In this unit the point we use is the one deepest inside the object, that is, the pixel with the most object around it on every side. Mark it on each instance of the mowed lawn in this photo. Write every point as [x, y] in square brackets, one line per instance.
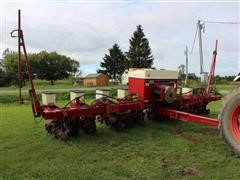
[158, 150]
[60, 84]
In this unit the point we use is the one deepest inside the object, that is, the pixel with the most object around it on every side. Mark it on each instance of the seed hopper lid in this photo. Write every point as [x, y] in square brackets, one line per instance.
[103, 89]
[77, 91]
[48, 92]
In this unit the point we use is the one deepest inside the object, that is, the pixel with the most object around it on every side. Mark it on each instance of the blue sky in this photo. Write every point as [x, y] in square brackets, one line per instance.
[85, 31]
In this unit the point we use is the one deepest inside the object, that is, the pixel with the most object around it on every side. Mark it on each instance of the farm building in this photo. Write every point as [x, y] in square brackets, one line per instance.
[96, 80]
[124, 77]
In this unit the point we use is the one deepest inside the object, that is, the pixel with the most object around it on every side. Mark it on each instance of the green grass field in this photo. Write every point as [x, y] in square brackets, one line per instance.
[42, 84]
[60, 84]
[158, 150]
[225, 87]
[67, 84]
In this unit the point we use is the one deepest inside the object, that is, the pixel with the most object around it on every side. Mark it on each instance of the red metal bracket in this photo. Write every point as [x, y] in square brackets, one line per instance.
[183, 116]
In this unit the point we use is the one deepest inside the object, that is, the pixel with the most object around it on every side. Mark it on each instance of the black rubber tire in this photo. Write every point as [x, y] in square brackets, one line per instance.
[229, 103]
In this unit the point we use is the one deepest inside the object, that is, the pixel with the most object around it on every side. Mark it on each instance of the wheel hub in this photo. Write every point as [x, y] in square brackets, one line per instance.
[235, 123]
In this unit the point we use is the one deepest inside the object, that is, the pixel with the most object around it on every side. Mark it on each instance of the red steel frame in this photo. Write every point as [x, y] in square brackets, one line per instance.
[200, 99]
[183, 116]
[36, 107]
[78, 109]
[75, 109]
[212, 70]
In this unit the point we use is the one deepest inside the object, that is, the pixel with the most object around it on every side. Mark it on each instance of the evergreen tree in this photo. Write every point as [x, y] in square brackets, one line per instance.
[139, 54]
[113, 63]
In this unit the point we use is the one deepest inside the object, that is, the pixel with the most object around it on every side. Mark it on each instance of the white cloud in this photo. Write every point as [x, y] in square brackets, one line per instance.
[85, 31]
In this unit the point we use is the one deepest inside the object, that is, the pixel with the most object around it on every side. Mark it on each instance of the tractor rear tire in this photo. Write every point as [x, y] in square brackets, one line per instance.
[230, 121]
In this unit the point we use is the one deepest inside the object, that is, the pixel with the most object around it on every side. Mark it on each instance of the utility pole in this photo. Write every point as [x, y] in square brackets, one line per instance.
[186, 54]
[19, 58]
[204, 75]
[200, 27]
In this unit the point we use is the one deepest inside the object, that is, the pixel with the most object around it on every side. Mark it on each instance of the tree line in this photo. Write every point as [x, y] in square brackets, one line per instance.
[192, 76]
[52, 66]
[49, 66]
[139, 55]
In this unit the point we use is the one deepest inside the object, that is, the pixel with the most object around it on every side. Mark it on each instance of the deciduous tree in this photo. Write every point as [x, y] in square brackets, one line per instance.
[53, 66]
[47, 66]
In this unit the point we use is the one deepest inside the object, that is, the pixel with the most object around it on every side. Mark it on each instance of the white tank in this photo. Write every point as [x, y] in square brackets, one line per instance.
[48, 98]
[153, 74]
[76, 93]
[101, 92]
[121, 93]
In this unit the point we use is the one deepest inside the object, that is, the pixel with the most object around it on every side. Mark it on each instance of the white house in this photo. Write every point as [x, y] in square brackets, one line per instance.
[124, 77]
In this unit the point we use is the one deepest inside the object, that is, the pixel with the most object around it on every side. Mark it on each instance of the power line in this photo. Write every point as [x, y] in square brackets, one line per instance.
[210, 22]
[221, 22]
[194, 41]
